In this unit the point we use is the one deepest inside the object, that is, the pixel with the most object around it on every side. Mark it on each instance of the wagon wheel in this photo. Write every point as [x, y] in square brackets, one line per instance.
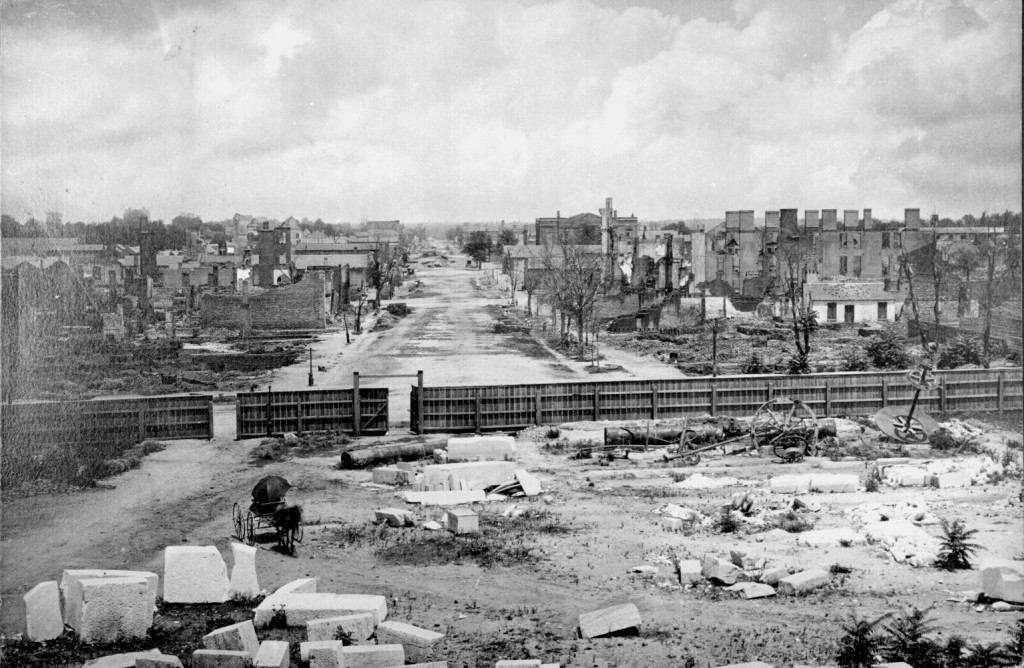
[236, 521]
[783, 418]
[790, 448]
[691, 459]
[250, 529]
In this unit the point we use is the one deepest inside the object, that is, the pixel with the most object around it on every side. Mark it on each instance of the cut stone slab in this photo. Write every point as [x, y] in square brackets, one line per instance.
[243, 582]
[114, 609]
[300, 586]
[220, 658]
[529, 482]
[239, 637]
[831, 537]
[300, 608]
[893, 664]
[194, 574]
[773, 575]
[720, 571]
[758, 590]
[392, 475]
[427, 664]
[468, 448]
[790, 484]
[690, 571]
[835, 483]
[43, 620]
[372, 656]
[1003, 579]
[609, 620]
[395, 517]
[305, 648]
[71, 589]
[158, 661]
[951, 480]
[905, 476]
[482, 473]
[749, 664]
[358, 627]
[326, 655]
[803, 582]
[272, 654]
[671, 524]
[125, 660]
[462, 521]
[443, 498]
[518, 663]
[433, 526]
[420, 644]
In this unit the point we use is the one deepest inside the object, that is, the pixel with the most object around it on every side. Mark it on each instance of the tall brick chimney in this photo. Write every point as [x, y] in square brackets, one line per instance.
[912, 219]
[606, 222]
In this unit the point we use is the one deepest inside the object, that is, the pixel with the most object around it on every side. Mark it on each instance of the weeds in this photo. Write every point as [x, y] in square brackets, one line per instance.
[956, 548]
[906, 640]
[873, 481]
[276, 449]
[278, 618]
[552, 433]
[860, 643]
[726, 522]
[791, 522]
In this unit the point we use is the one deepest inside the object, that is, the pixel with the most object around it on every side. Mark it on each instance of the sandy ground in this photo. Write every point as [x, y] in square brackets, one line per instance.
[183, 495]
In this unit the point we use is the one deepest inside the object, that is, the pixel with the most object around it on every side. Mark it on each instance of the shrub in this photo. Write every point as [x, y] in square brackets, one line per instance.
[905, 640]
[854, 359]
[754, 364]
[726, 522]
[956, 548]
[988, 656]
[873, 481]
[859, 644]
[798, 365]
[793, 523]
[964, 350]
[888, 350]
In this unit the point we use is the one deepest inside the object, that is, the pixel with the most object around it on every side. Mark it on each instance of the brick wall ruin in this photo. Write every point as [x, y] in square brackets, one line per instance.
[298, 306]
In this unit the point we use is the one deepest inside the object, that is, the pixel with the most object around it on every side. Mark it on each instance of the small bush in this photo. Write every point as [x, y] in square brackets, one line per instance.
[798, 365]
[854, 359]
[150, 446]
[888, 350]
[793, 523]
[754, 364]
[726, 522]
[964, 350]
[873, 481]
[860, 643]
[906, 640]
[956, 547]
[988, 656]
[552, 432]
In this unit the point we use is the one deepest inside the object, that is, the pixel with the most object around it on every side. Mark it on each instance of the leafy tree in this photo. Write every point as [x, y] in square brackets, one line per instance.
[478, 247]
[956, 547]
[381, 269]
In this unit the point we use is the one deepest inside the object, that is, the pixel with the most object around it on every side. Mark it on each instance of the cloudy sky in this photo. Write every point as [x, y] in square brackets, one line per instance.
[439, 110]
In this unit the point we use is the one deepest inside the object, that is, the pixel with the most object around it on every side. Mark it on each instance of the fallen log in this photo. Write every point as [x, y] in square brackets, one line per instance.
[379, 454]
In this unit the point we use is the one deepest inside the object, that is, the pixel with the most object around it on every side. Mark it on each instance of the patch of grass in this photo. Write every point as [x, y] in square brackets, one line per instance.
[276, 449]
[792, 522]
[642, 492]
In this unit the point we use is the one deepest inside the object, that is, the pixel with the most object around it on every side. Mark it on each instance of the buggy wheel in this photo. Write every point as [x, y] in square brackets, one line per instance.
[236, 521]
[298, 533]
[250, 529]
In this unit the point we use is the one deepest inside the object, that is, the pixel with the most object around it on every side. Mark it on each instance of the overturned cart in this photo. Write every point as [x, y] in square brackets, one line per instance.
[789, 427]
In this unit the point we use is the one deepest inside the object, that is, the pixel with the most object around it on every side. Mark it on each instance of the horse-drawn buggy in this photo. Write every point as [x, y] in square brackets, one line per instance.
[269, 512]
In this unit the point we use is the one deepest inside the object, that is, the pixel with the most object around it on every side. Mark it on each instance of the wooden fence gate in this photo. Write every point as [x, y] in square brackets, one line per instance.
[357, 411]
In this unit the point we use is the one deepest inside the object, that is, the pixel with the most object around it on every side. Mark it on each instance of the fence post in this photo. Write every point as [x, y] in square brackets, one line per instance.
[654, 403]
[298, 415]
[357, 417]
[942, 395]
[828, 398]
[268, 417]
[714, 398]
[476, 409]
[142, 421]
[885, 393]
[419, 402]
[999, 392]
[238, 418]
[536, 407]
[770, 392]
[209, 418]
[597, 405]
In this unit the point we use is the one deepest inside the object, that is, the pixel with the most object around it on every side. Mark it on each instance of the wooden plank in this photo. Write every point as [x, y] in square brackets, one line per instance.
[597, 405]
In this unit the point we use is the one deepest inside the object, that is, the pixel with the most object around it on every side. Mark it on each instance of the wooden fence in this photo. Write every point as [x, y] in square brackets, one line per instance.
[271, 413]
[38, 432]
[509, 407]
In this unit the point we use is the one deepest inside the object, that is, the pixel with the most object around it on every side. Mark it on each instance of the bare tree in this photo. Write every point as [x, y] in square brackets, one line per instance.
[795, 258]
[381, 268]
[1001, 264]
[572, 278]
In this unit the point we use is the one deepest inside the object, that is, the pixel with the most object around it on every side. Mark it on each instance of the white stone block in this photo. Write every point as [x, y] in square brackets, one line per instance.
[124, 660]
[420, 644]
[358, 627]
[529, 482]
[671, 524]
[772, 575]
[327, 655]
[518, 663]
[749, 664]
[372, 656]
[758, 590]
[475, 473]
[300, 608]
[43, 619]
[804, 581]
[720, 571]
[220, 658]
[273, 654]
[395, 517]
[469, 448]
[114, 609]
[442, 498]
[194, 574]
[835, 483]
[243, 582]
[462, 521]
[905, 476]
[953, 479]
[1003, 579]
[843, 536]
[71, 589]
[300, 586]
[239, 637]
[306, 648]
[690, 571]
[790, 484]
[158, 661]
[609, 620]
[392, 475]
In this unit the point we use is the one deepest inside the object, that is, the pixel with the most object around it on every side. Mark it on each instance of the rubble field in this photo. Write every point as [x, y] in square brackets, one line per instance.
[618, 558]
